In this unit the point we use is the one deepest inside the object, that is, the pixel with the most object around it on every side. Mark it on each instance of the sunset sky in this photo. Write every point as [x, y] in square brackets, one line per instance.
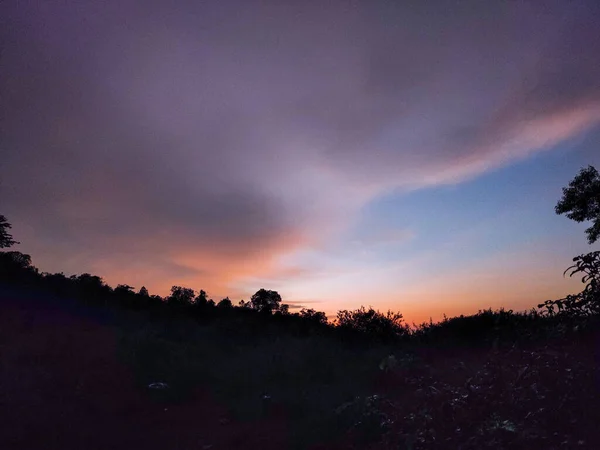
[404, 155]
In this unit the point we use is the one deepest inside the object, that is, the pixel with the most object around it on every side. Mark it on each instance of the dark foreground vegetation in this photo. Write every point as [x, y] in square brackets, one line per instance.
[255, 375]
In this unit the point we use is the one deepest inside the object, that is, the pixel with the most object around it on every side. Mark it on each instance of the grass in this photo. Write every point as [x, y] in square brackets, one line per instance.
[496, 379]
[306, 378]
[519, 394]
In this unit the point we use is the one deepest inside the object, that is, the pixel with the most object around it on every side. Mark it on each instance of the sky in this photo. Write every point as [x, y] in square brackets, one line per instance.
[400, 155]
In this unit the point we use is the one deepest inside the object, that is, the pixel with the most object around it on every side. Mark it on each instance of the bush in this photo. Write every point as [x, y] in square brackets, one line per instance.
[368, 322]
[314, 317]
[225, 303]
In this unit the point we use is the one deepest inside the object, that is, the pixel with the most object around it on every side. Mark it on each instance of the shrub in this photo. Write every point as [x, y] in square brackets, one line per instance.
[372, 323]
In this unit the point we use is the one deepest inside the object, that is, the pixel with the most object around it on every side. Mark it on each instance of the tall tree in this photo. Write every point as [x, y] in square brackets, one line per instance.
[123, 290]
[181, 296]
[266, 301]
[318, 317]
[15, 265]
[6, 239]
[201, 299]
[581, 201]
[225, 303]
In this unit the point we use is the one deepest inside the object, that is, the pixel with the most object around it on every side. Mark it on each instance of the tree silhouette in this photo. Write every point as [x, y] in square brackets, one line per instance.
[91, 287]
[225, 303]
[6, 239]
[202, 299]
[317, 317]
[20, 260]
[181, 296]
[123, 289]
[125, 295]
[244, 304]
[15, 266]
[91, 284]
[266, 301]
[581, 201]
[144, 292]
[372, 323]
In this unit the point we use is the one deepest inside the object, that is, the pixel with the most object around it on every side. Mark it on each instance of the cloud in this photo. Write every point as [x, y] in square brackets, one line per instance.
[205, 141]
[384, 238]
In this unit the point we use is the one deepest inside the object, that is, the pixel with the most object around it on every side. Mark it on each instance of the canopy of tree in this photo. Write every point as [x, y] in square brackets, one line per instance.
[581, 201]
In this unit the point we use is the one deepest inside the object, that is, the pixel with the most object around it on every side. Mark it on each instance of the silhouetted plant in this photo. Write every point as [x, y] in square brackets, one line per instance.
[244, 304]
[144, 292]
[225, 303]
[317, 317]
[284, 309]
[180, 296]
[265, 301]
[581, 201]
[91, 287]
[20, 260]
[16, 266]
[6, 239]
[487, 327]
[372, 323]
[586, 302]
[125, 295]
[56, 282]
[156, 300]
[123, 289]
[201, 300]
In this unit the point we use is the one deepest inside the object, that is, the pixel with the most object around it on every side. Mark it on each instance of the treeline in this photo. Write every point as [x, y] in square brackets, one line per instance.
[265, 314]
[16, 269]
[580, 202]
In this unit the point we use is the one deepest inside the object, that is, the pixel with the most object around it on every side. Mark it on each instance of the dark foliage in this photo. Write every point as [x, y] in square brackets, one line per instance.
[581, 201]
[587, 302]
[6, 239]
[283, 310]
[310, 315]
[368, 322]
[16, 267]
[181, 296]
[17, 259]
[265, 301]
[225, 303]
[202, 299]
[124, 289]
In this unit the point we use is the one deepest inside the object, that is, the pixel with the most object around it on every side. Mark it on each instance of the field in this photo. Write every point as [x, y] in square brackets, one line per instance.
[74, 376]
